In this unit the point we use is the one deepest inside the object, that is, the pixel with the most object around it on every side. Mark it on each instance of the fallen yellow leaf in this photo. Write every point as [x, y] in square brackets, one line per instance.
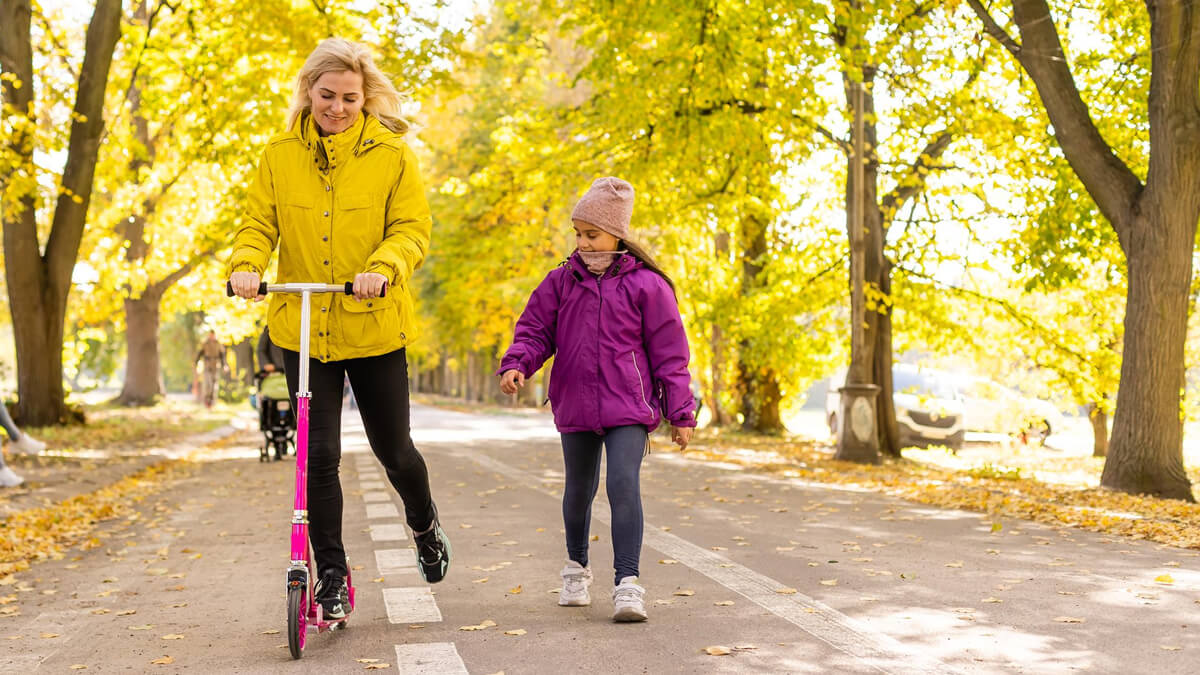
[668, 561]
[956, 563]
[718, 651]
[144, 626]
[164, 661]
[273, 631]
[1164, 579]
[785, 591]
[127, 612]
[172, 636]
[1170, 648]
[829, 582]
[744, 648]
[516, 590]
[515, 632]
[367, 660]
[1068, 619]
[684, 592]
[378, 666]
[723, 603]
[78, 666]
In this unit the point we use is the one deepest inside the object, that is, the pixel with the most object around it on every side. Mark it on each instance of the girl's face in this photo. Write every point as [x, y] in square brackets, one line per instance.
[337, 98]
[588, 237]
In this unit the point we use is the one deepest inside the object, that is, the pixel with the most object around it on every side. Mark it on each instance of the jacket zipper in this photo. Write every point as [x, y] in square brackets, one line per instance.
[640, 385]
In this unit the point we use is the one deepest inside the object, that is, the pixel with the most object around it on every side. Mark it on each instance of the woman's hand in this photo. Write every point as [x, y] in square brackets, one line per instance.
[681, 436]
[511, 381]
[369, 285]
[245, 285]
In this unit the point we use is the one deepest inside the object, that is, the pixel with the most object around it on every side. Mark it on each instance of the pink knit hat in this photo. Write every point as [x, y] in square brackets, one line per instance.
[608, 205]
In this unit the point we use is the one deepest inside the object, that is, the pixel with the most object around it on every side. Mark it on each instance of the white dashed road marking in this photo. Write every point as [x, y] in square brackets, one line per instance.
[435, 658]
[387, 510]
[410, 605]
[395, 560]
[372, 485]
[376, 497]
[391, 532]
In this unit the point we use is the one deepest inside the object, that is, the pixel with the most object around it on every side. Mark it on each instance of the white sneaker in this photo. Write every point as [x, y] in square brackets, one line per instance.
[576, 579]
[628, 603]
[8, 478]
[28, 445]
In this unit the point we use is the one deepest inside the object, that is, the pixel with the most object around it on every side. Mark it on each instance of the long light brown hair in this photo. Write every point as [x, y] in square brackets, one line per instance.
[335, 55]
[638, 251]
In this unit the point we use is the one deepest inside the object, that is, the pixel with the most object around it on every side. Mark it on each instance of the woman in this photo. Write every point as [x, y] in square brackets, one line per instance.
[341, 195]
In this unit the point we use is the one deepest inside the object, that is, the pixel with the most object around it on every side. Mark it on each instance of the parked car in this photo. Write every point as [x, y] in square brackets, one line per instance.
[929, 409]
[993, 407]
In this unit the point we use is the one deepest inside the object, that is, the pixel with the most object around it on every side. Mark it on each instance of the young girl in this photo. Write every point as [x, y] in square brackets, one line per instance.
[610, 314]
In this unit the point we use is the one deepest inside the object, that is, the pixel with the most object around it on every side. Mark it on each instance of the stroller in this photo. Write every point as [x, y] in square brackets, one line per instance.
[276, 419]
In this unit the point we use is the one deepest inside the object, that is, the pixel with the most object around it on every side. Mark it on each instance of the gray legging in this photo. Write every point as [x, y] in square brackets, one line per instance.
[581, 459]
[5, 421]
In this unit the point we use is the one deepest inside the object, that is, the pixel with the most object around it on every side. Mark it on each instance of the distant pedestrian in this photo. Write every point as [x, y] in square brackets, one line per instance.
[212, 352]
[610, 314]
[18, 442]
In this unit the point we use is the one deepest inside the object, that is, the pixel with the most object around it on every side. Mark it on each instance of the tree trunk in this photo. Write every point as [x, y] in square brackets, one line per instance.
[38, 284]
[760, 386]
[1146, 451]
[143, 384]
[720, 415]
[887, 428]
[1099, 420]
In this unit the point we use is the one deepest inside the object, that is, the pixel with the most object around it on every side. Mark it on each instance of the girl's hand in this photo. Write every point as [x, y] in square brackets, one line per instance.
[245, 285]
[368, 285]
[511, 381]
[681, 436]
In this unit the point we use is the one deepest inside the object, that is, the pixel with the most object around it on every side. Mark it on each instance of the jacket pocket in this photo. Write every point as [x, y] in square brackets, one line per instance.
[367, 323]
[355, 200]
[641, 383]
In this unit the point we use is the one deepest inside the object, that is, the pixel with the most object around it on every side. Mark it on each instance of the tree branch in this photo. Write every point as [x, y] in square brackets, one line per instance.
[1111, 183]
[917, 176]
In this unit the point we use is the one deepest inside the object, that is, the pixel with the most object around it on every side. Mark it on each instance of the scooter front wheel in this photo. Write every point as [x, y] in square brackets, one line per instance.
[297, 622]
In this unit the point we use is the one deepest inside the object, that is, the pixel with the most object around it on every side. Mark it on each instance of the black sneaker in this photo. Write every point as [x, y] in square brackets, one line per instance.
[433, 553]
[333, 596]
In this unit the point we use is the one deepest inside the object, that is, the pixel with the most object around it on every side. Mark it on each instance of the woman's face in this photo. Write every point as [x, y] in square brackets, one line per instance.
[588, 237]
[337, 98]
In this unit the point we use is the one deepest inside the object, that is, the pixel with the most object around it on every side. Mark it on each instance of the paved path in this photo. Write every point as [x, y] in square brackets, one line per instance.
[790, 576]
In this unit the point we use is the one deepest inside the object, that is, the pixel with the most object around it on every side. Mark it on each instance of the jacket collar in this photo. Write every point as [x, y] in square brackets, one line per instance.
[624, 264]
[366, 133]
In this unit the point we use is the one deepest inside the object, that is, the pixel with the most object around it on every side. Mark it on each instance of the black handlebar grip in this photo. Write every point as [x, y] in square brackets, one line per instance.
[350, 289]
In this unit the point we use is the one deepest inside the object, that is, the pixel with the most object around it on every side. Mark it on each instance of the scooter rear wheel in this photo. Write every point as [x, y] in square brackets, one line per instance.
[297, 623]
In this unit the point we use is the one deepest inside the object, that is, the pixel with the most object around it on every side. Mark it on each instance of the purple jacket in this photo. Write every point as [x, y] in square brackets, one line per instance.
[622, 352]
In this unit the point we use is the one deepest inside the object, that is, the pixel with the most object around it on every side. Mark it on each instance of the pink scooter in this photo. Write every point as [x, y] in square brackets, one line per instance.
[303, 611]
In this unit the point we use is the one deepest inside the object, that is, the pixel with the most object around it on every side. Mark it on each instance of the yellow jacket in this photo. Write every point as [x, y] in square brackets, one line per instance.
[337, 206]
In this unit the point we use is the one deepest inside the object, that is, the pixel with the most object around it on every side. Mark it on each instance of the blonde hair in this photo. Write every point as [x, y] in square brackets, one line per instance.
[335, 55]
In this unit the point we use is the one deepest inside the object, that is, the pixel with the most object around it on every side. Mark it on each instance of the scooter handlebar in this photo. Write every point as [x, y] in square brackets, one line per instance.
[263, 289]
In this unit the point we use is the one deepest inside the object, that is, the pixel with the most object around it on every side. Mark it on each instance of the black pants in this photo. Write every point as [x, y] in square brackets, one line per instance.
[581, 460]
[381, 388]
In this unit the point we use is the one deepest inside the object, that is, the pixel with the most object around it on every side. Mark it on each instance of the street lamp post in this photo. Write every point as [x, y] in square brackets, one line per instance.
[858, 440]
